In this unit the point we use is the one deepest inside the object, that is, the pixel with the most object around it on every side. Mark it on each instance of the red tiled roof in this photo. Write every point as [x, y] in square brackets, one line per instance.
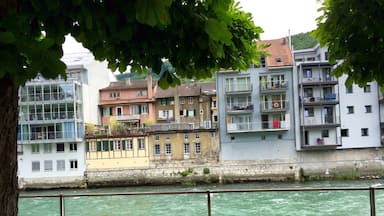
[128, 84]
[280, 54]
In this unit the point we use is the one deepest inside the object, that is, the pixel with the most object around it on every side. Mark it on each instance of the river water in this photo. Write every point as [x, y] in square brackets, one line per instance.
[335, 203]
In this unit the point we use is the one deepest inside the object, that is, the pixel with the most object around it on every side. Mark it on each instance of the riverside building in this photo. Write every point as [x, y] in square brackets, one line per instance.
[52, 114]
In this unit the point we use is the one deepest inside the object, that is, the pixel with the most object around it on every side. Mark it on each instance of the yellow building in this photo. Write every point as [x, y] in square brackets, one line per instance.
[117, 152]
[175, 142]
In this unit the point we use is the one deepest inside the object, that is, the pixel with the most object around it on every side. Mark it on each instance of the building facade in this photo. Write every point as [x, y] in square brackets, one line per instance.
[51, 143]
[130, 102]
[256, 109]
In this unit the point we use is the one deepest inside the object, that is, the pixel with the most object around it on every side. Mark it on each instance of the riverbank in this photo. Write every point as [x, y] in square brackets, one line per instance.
[308, 166]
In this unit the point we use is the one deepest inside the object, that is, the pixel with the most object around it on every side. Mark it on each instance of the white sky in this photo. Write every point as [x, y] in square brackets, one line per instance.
[276, 17]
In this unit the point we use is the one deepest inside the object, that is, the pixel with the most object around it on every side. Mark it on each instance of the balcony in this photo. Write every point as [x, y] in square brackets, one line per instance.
[274, 106]
[322, 80]
[48, 136]
[127, 118]
[269, 87]
[238, 89]
[323, 122]
[240, 108]
[48, 116]
[319, 143]
[257, 126]
[327, 99]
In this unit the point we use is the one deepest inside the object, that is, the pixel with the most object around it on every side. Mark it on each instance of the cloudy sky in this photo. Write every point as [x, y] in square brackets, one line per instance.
[276, 17]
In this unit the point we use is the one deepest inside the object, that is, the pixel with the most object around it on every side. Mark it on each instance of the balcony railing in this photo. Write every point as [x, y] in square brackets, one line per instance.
[238, 88]
[273, 86]
[331, 98]
[320, 80]
[127, 117]
[46, 136]
[274, 106]
[49, 116]
[320, 121]
[257, 126]
[240, 107]
[47, 97]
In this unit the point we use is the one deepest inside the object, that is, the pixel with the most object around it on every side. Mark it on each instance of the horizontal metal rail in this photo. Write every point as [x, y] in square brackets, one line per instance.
[371, 190]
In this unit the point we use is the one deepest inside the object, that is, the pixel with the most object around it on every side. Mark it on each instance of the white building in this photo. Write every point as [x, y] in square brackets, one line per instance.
[331, 115]
[52, 114]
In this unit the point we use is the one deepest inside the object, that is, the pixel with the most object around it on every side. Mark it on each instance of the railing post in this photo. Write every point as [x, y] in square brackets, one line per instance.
[209, 202]
[62, 205]
[372, 200]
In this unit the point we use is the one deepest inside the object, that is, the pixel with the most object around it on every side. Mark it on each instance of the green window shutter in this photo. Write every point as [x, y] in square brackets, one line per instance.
[111, 145]
[139, 109]
[98, 145]
[124, 144]
[105, 145]
[110, 111]
[87, 146]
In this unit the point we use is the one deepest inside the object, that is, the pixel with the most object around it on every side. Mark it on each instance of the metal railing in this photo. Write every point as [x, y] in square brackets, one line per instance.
[370, 189]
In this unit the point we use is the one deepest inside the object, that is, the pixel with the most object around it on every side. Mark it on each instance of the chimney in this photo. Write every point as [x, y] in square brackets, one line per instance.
[128, 81]
[149, 86]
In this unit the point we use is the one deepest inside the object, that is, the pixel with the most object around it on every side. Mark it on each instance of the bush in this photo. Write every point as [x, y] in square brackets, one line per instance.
[206, 170]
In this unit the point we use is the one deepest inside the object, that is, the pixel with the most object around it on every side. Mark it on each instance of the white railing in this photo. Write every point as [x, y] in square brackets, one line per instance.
[273, 85]
[258, 126]
[274, 105]
[238, 87]
[127, 117]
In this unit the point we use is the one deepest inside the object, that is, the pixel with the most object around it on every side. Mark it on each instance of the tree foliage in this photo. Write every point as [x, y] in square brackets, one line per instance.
[353, 31]
[197, 37]
[303, 41]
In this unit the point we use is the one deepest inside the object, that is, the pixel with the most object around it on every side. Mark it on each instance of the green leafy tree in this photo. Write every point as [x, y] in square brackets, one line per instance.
[303, 41]
[198, 37]
[353, 31]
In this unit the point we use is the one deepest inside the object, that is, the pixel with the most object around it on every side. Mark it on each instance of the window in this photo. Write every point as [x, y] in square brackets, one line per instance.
[344, 132]
[141, 93]
[309, 112]
[73, 147]
[73, 164]
[141, 143]
[35, 148]
[114, 94]
[190, 100]
[349, 90]
[186, 148]
[367, 88]
[144, 108]
[364, 131]
[156, 149]
[308, 92]
[279, 136]
[48, 165]
[129, 144]
[197, 148]
[368, 108]
[307, 73]
[157, 137]
[262, 137]
[60, 147]
[119, 111]
[262, 61]
[191, 113]
[197, 135]
[185, 136]
[168, 149]
[324, 133]
[35, 166]
[47, 148]
[60, 165]
[182, 100]
[350, 109]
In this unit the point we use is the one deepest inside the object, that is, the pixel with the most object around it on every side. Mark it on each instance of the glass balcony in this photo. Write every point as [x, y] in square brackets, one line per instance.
[330, 98]
[240, 108]
[273, 86]
[257, 126]
[238, 88]
[274, 106]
